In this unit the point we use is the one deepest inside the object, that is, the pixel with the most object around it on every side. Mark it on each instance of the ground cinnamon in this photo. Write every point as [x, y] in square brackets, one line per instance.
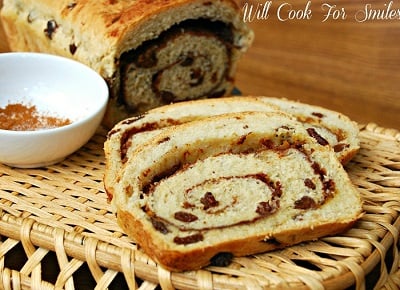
[20, 117]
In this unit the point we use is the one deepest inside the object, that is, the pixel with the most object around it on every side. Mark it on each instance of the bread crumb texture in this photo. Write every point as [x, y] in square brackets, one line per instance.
[238, 183]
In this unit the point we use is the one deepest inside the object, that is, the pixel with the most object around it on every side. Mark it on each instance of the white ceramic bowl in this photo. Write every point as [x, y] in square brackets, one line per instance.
[60, 87]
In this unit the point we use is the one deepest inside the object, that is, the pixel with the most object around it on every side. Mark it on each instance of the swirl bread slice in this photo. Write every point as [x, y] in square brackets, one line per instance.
[128, 134]
[332, 127]
[232, 185]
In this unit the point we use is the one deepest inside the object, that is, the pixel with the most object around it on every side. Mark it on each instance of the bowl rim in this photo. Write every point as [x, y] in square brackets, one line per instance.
[102, 84]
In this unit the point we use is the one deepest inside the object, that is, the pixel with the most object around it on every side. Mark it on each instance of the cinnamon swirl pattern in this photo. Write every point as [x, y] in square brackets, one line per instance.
[188, 61]
[130, 133]
[328, 127]
[230, 185]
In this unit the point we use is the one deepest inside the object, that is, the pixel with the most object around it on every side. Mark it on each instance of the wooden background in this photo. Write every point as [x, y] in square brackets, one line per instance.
[344, 65]
[340, 64]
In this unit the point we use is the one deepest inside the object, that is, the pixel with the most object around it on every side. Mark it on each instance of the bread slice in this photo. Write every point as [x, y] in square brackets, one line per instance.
[331, 127]
[151, 53]
[132, 132]
[231, 185]
[334, 128]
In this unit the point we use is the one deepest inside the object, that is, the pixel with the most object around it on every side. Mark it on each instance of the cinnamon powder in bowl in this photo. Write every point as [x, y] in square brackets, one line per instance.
[50, 106]
[21, 117]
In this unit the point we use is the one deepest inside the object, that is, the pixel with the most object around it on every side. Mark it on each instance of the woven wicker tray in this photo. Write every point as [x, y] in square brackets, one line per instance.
[57, 232]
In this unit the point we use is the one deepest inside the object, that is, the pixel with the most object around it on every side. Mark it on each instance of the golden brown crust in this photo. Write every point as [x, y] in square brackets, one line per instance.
[201, 257]
[112, 19]
[349, 155]
[105, 28]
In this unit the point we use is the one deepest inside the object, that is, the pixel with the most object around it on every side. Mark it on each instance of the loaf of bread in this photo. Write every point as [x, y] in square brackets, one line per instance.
[150, 52]
[233, 184]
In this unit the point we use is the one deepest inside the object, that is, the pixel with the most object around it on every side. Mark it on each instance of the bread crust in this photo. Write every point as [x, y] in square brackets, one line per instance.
[195, 259]
[104, 28]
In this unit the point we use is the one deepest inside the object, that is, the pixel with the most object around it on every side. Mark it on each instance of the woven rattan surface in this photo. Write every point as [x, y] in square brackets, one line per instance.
[57, 232]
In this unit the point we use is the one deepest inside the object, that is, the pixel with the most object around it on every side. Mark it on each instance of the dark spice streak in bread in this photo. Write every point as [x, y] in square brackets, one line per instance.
[189, 239]
[313, 133]
[263, 209]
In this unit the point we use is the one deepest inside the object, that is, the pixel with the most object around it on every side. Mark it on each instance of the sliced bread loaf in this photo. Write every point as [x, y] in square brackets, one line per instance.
[231, 185]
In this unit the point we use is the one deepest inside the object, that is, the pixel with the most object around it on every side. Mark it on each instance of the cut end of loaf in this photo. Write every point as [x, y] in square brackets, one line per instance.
[194, 59]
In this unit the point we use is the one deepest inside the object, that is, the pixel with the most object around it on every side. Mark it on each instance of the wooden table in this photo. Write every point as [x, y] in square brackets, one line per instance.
[344, 65]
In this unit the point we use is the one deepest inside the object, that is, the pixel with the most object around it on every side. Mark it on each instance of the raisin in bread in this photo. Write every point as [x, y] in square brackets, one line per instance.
[232, 185]
[150, 52]
[333, 128]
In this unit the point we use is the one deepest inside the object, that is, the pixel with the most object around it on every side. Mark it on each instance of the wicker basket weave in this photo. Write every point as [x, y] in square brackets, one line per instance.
[57, 232]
